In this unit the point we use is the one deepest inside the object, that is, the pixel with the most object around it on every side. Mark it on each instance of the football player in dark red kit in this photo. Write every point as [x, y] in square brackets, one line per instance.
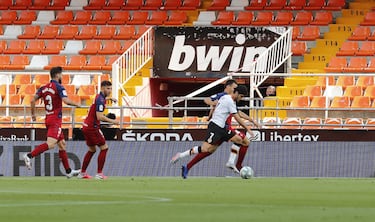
[52, 94]
[93, 135]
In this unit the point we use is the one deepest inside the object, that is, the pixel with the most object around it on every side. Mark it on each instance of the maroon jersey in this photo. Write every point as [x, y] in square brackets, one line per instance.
[98, 106]
[52, 94]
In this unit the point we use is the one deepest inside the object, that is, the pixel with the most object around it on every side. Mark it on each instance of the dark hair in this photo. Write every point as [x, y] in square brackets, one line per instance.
[241, 90]
[54, 71]
[230, 82]
[105, 83]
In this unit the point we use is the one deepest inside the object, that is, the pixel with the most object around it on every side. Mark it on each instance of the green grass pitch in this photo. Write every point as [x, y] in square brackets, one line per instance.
[195, 199]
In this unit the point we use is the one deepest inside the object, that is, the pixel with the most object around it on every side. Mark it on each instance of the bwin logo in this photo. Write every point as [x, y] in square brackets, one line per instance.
[257, 136]
[183, 56]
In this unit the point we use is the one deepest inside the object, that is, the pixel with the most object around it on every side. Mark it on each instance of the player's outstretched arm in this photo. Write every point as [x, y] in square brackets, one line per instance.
[247, 117]
[209, 101]
[67, 101]
[242, 123]
[100, 116]
[32, 104]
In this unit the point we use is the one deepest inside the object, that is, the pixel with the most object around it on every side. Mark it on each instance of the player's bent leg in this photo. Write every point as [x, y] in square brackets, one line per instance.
[64, 160]
[86, 161]
[49, 144]
[232, 157]
[101, 161]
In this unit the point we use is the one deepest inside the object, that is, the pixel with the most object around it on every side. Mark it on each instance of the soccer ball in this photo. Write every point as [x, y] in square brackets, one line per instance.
[246, 172]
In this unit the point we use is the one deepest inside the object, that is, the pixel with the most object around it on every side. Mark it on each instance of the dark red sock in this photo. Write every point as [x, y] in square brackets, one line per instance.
[241, 156]
[197, 158]
[101, 160]
[64, 159]
[86, 161]
[39, 149]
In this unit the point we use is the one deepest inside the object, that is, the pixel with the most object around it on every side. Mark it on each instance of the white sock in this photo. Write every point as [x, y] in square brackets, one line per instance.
[190, 152]
[233, 153]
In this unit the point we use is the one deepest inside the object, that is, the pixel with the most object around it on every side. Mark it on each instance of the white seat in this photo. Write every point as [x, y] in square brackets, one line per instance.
[76, 5]
[5, 79]
[37, 62]
[72, 47]
[271, 120]
[205, 18]
[11, 32]
[332, 91]
[44, 17]
[237, 5]
[79, 80]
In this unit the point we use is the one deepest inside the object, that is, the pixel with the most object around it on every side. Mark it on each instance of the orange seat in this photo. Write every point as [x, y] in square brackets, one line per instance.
[110, 61]
[126, 121]
[27, 89]
[25, 18]
[335, 5]
[22, 122]
[14, 99]
[63, 18]
[345, 81]
[133, 4]
[371, 66]
[256, 5]
[292, 123]
[66, 122]
[340, 102]
[370, 91]
[86, 91]
[12, 89]
[7, 17]
[39, 5]
[127, 45]
[302, 18]
[76, 62]
[111, 47]
[26, 101]
[370, 124]
[151, 5]
[312, 123]
[322, 18]
[367, 49]
[125, 32]
[336, 64]
[40, 80]
[30, 32]
[360, 33]
[106, 32]
[81, 18]
[15, 47]
[352, 91]
[1, 30]
[6, 122]
[356, 64]
[53, 47]
[119, 18]
[311, 91]
[353, 123]
[114, 5]
[91, 47]
[56, 60]
[263, 18]
[348, 49]
[21, 79]
[140, 31]
[176, 18]
[295, 5]
[319, 102]
[190, 122]
[58, 4]
[224, 18]
[49, 32]
[4, 61]
[300, 102]
[138, 18]
[275, 5]
[282, 18]
[18, 62]
[369, 19]
[218, 5]
[243, 18]
[361, 102]
[95, 62]
[299, 48]
[315, 5]
[34, 47]
[20, 4]
[87, 32]
[3, 45]
[94, 5]
[172, 4]
[68, 32]
[295, 33]
[190, 5]
[103, 77]
[70, 89]
[5, 4]
[309, 33]
[100, 18]
[331, 123]
[157, 18]
[364, 81]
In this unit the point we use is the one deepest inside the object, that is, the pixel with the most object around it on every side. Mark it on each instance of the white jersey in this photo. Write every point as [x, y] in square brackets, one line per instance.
[224, 108]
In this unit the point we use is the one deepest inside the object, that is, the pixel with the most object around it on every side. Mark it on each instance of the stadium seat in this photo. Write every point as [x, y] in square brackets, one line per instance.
[296, 32]
[87, 32]
[335, 5]
[369, 19]
[224, 18]
[39, 5]
[15, 47]
[67, 121]
[360, 33]
[292, 123]
[68, 32]
[119, 18]
[5, 4]
[275, 5]
[282, 18]
[361, 102]
[309, 33]
[157, 18]
[18, 62]
[110, 48]
[102, 78]
[1, 30]
[21, 79]
[7, 17]
[22, 122]
[176, 18]
[65, 79]
[14, 99]
[25, 18]
[106, 32]
[299, 48]
[319, 102]
[333, 91]
[370, 123]
[356, 64]
[30, 32]
[302, 18]
[4, 60]
[370, 91]
[367, 49]
[125, 32]
[86, 91]
[353, 123]
[300, 102]
[76, 62]
[133, 4]
[332, 123]
[172, 5]
[219, 5]
[364, 81]
[138, 18]
[70, 90]
[49, 32]
[345, 81]
[53, 47]
[189, 5]
[336, 64]
[340, 102]
[295, 5]
[6, 121]
[21, 4]
[114, 5]
[270, 122]
[58, 4]
[352, 91]
[63, 18]
[40, 80]
[205, 18]
[371, 66]
[26, 101]
[256, 5]
[312, 91]
[140, 31]
[263, 18]
[27, 89]
[348, 48]
[3, 45]
[314, 5]
[100, 18]
[312, 123]
[108, 65]
[95, 62]
[92, 47]
[322, 18]
[12, 89]
[81, 18]
[95, 5]
[243, 18]
[151, 5]
[126, 45]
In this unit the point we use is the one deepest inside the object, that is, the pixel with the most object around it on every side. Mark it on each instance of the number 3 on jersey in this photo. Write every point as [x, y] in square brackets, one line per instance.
[48, 101]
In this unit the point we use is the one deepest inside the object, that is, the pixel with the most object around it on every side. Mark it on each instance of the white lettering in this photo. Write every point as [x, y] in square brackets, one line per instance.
[130, 136]
[14, 138]
[48, 90]
[274, 136]
[178, 50]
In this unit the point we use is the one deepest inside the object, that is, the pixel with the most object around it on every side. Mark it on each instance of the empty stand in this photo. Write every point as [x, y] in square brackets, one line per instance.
[30, 32]
[58, 4]
[353, 91]
[7, 17]
[295, 5]
[18, 62]
[4, 60]
[6, 122]
[361, 102]
[263, 18]
[39, 5]
[152, 4]
[106, 32]
[299, 48]
[360, 33]
[345, 81]
[68, 32]
[336, 64]
[119, 18]
[300, 102]
[312, 91]
[224, 18]
[100, 18]
[371, 66]
[370, 91]
[6, 4]
[15, 47]
[111, 47]
[86, 91]
[81, 18]
[282, 18]
[133, 4]
[312, 123]
[53, 47]
[176, 18]
[63, 18]
[348, 49]
[331, 123]
[353, 123]
[92, 47]
[87, 32]
[138, 18]
[322, 18]
[334, 5]
[256, 5]
[125, 32]
[314, 5]
[157, 18]
[364, 81]
[95, 62]
[332, 91]
[40, 80]
[114, 5]
[243, 18]
[25, 18]
[27, 89]
[275, 5]
[292, 123]
[356, 64]
[3, 45]
[340, 102]
[190, 5]
[309, 33]
[219, 5]
[319, 102]
[21, 4]
[369, 19]
[95, 5]
[302, 18]
[49, 32]
[172, 4]
[76, 62]
[367, 49]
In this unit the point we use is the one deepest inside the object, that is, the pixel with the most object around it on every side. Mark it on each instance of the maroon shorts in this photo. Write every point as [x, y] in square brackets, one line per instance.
[54, 129]
[93, 137]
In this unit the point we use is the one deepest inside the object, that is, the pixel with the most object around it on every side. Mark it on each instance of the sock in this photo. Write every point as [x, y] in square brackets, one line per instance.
[64, 159]
[86, 161]
[241, 156]
[101, 160]
[194, 150]
[233, 153]
[38, 150]
[197, 158]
